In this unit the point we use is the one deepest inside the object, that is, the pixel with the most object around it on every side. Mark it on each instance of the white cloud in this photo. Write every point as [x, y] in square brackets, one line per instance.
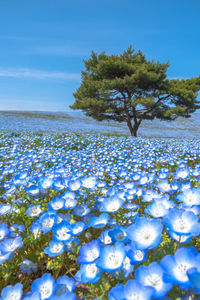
[38, 74]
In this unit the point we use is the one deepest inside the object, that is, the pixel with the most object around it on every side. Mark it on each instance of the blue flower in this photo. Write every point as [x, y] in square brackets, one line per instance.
[74, 184]
[56, 203]
[12, 292]
[189, 197]
[182, 222]
[4, 231]
[100, 221]
[118, 234]
[32, 190]
[145, 233]
[136, 256]
[111, 257]
[135, 290]
[111, 204]
[78, 227]
[62, 231]
[47, 220]
[55, 248]
[194, 277]
[176, 266]
[89, 252]
[44, 285]
[153, 276]
[117, 293]
[36, 229]
[45, 183]
[11, 245]
[33, 210]
[15, 229]
[88, 273]
[5, 209]
[81, 210]
[28, 267]
[89, 182]
[32, 296]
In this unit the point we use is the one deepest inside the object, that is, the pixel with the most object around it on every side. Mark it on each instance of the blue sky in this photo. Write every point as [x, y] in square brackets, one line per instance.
[43, 43]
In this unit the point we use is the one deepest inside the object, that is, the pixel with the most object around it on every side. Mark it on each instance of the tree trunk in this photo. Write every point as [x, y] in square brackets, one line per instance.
[135, 129]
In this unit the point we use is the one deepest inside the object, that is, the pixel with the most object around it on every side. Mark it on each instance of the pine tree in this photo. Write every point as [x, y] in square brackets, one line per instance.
[130, 88]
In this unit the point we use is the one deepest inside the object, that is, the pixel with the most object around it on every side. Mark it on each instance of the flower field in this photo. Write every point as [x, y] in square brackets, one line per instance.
[87, 216]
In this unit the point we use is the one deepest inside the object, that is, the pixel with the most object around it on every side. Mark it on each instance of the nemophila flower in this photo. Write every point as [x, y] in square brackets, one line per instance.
[127, 266]
[55, 248]
[111, 204]
[71, 245]
[156, 210]
[5, 256]
[44, 285]
[118, 234]
[67, 282]
[195, 209]
[105, 238]
[47, 220]
[33, 210]
[4, 231]
[182, 172]
[145, 233]
[58, 184]
[45, 183]
[68, 194]
[111, 257]
[176, 266]
[28, 267]
[153, 276]
[100, 221]
[131, 206]
[89, 182]
[81, 210]
[78, 227]
[11, 245]
[143, 179]
[36, 229]
[62, 231]
[163, 174]
[57, 203]
[74, 184]
[88, 253]
[117, 293]
[182, 222]
[32, 296]
[12, 292]
[5, 209]
[32, 190]
[135, 290]
[63, 216]
[164, 186]
[185, 186]
[194, 276]
[88, 273]
[136, 256]
[189, 197]
[180, 238]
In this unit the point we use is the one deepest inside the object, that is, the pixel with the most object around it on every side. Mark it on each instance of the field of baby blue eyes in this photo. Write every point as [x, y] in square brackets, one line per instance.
[89, 216]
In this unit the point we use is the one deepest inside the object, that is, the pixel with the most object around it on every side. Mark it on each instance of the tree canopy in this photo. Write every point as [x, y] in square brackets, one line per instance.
[130, 88]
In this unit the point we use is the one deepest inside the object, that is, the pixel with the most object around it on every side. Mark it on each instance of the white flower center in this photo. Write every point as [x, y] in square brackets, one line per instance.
[92, 254]
[48, 223]
[91, 270]
[56, 248]
[45, 291]
[154, 280]
[63, 233]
